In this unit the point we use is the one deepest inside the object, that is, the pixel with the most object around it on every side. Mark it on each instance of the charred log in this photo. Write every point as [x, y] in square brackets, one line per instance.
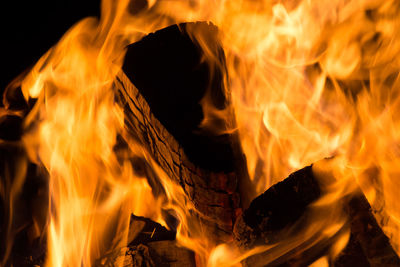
[150, 245]
[163, 81]
[159, 253]
[279, 206]
[172, 73]
[285, 204]
[214, 194]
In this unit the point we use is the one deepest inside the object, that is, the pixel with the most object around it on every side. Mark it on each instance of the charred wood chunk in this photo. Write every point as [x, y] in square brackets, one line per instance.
[353, 255]
[154, 254]
[279, 206]
[150, 245]
[134, 256]
[366, 231]
[143, 230]
[286, 203]
[171, 255]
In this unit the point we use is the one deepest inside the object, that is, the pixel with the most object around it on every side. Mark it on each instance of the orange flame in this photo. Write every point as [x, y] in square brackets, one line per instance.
[308, 80]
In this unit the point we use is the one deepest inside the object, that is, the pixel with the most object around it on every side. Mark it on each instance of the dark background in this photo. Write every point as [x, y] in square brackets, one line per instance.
[29, 28]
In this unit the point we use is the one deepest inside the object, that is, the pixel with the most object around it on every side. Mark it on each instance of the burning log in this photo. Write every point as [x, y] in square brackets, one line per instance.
[286, 203]
[159, 253]
[279, 206]
[212, 193]
[163, 113]
[150, 245]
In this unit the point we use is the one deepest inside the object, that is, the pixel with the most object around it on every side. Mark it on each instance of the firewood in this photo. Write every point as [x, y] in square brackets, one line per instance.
[212, 193]
[154, 245]
[171, 255]
[374, 243]
[171, 72]
[285, 203]
[154, 254]
[135, 256]
[279, 206]
[143, 231]
[160, 87]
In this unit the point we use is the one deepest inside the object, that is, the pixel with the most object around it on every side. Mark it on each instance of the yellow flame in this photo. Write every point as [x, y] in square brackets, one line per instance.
[308, 80]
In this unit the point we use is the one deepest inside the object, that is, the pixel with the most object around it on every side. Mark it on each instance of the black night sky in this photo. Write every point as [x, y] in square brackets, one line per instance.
[30, 28]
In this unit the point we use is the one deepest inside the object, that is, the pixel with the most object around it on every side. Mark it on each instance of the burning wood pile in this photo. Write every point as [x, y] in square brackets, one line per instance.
[142, 139]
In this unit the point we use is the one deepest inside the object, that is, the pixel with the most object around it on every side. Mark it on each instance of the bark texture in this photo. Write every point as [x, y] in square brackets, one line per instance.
[165, 77]
[213, 193]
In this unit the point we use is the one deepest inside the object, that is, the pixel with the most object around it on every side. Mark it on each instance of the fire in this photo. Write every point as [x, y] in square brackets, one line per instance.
[308, 80]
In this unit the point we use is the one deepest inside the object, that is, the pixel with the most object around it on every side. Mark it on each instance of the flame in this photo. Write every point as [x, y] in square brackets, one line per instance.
[308, 80]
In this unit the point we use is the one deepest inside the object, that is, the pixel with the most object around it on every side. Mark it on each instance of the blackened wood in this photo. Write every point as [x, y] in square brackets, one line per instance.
[276, 208]
[164, 78]
[171, 72]
[171, 255]
[152, 245]
[373, 241]
[353, 255]
[154, 254]
[149, 231]
[214, 194]
[134, 256]
[286, 202]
